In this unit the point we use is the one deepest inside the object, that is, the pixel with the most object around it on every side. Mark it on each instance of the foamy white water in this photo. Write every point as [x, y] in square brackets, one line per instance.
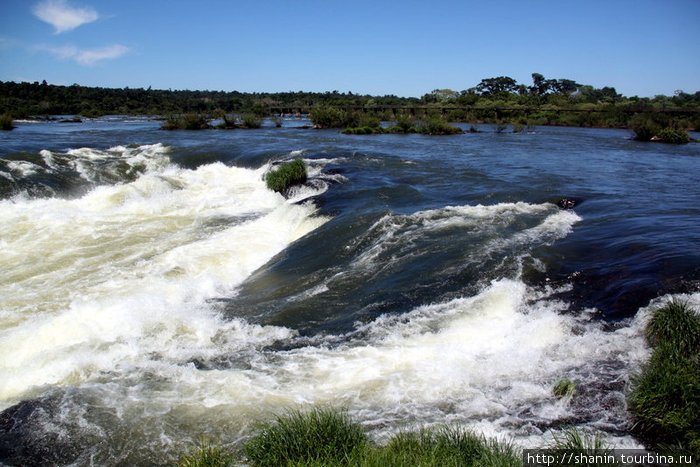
[103, 280]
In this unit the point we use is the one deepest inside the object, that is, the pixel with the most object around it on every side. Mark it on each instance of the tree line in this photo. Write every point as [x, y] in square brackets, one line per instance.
[544, 101]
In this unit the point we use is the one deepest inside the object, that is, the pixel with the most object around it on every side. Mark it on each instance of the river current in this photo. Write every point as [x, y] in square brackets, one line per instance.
[155, 292]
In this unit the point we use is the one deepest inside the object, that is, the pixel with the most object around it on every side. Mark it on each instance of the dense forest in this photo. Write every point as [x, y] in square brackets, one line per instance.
[499, 99]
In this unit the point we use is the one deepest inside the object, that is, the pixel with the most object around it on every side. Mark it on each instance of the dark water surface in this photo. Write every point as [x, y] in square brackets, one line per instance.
[154, 291]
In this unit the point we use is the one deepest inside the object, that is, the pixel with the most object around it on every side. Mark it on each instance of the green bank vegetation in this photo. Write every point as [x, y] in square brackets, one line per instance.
[493, 100]
[665, 400]
[286, 175]
[328, 437]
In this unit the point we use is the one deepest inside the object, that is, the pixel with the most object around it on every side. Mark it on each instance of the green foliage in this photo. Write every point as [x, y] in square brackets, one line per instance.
[327, 117]
[674, 136]
[186, 122]
[251, 120]
[564, 388]
[547, 102]
[644, 127]
[665, 400]
[286, 175]
[440, 126]
[6, 123]
[317, 437]
[206, 455]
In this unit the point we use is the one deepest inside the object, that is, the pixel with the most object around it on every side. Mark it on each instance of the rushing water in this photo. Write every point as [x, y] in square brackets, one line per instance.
[154, 292]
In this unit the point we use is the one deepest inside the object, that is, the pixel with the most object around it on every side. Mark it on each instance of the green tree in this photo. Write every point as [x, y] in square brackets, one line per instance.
[497, 86]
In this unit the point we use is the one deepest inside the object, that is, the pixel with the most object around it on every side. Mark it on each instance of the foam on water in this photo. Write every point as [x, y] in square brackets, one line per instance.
[124, 271]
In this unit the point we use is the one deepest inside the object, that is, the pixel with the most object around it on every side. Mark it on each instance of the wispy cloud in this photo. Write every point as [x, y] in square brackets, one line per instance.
[88, 56]
[62, 16]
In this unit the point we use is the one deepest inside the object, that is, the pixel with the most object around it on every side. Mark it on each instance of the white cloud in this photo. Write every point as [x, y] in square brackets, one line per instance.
[88, 56]
[62, 16]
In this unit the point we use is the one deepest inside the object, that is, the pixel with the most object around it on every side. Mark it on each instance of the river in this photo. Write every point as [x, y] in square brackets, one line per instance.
[155, 292]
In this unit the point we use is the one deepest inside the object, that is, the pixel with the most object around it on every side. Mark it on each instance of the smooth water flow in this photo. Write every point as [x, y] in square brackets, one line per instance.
[154, 291]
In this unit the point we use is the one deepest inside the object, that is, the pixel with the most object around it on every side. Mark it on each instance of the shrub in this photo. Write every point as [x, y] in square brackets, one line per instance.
[440, 126]
[286, 175]
[644, 128]
[404, 122]
[674, 136]
[369, 121]
[186, 122]
[6, 122]
[328, 117]
[251, 120]
[665, 399]
[321, 437]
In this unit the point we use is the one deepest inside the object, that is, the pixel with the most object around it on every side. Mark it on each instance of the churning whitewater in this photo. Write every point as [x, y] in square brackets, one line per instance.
[106, 279]
[155, 294]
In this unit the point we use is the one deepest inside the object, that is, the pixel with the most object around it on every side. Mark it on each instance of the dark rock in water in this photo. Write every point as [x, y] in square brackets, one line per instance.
[52, 430]
[568, 203]
[71, 120]
[24, 439]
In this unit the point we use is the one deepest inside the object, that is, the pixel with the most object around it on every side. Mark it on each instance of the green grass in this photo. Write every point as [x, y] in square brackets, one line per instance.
[206, 455]
[327, 437]
[286, 175]
[444, 446]
[675, 323]
[564, 388]
[665, 399]
[572, 442]
[317, 437]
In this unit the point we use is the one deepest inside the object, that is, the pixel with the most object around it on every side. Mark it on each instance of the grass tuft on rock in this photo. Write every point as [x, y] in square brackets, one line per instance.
[286, 175]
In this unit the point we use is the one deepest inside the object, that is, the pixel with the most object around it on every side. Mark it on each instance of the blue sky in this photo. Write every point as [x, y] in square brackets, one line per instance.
[407, 48]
